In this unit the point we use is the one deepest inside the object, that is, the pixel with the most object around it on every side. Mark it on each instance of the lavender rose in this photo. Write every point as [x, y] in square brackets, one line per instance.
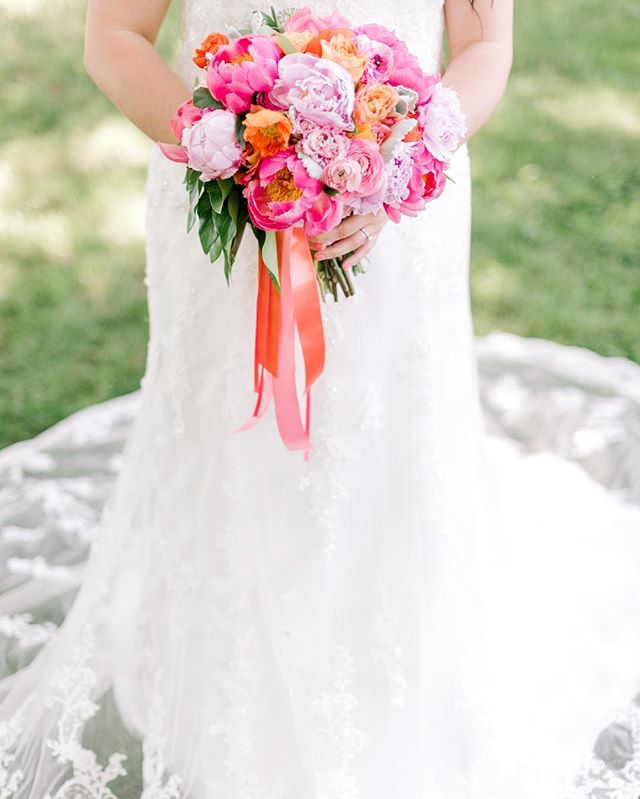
[316, 89]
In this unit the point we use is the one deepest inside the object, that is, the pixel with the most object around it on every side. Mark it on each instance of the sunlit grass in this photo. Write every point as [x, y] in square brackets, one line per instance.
[556, 207]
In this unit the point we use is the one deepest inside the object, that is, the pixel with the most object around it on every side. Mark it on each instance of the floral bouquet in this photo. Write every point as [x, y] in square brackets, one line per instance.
[295, 125]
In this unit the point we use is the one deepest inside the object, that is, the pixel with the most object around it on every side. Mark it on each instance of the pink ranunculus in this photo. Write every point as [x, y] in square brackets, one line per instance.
[317, 89]
[240, 69]
[325, 213]
[381, 60]
[304, 20]
[443, 123]
[282, 192]
[367, 155]
[212, 145]
[406, 70]
[343, 174]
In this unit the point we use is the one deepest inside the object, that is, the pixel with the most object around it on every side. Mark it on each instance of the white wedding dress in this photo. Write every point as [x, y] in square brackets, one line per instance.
[417, 611]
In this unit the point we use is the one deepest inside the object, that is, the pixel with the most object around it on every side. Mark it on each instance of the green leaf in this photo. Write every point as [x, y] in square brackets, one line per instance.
[226, 186]
[286, 45]
[215, 196]
[202, 98]
[208, 234]
[270, 256]
[240, 131]
[216, 250]
[195, 187]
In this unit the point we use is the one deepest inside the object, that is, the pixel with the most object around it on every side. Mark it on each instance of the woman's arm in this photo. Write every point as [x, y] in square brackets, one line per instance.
[121, 59]
[480, 52]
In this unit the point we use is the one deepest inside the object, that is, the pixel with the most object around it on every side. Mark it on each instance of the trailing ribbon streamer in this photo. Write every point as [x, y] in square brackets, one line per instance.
[278, 314]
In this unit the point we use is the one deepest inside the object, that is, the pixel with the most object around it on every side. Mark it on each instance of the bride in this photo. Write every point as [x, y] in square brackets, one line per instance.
[413, 611]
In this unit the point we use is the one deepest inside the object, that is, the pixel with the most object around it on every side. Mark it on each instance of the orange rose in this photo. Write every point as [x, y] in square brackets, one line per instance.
[209, 45]
[267, 131]
[375, 102]
[344, 51]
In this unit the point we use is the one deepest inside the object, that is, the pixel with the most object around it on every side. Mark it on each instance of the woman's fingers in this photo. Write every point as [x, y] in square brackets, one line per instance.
[345, 245]
[346, 228]
[357, 255]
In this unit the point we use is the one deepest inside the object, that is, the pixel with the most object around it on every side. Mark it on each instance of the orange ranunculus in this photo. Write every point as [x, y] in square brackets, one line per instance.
[209, 45]
[267, 131]
[344, 51]
[375, 102]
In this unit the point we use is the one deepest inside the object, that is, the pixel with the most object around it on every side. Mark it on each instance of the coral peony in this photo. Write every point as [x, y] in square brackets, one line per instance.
[406, 69]
[212, 145]
[324, 214]
[281, 192]
[316, 89]
[267, 131]
[209, 47]
[240, 69]
[443, 123]
[186, 116]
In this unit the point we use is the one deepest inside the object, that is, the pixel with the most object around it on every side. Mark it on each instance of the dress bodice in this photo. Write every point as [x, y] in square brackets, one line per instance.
[419, 23]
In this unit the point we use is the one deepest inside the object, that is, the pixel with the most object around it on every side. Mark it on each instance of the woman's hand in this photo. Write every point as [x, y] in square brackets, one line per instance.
[357, 234]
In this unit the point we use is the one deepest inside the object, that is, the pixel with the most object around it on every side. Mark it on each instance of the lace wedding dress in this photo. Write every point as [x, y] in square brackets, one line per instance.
[409, 613]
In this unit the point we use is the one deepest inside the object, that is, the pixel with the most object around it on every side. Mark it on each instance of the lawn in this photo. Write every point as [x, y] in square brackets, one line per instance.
[556, 207]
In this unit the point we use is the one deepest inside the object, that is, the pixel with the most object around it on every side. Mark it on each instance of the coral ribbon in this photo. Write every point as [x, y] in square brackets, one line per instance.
[278, 314]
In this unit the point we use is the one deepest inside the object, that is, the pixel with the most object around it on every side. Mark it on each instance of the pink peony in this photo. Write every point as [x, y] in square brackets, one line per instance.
[212, 145]
[186, 116]
[443, 123]
[325, 213]
[321, 144]
[240, 69]
[406, 70]
[399, 170]
[303, 20]
[282, 192]
[316, 89]
[426, 181]
[381, 61]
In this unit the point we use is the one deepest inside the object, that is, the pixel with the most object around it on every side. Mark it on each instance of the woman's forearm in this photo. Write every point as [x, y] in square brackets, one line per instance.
[127, 68]
[479, 75]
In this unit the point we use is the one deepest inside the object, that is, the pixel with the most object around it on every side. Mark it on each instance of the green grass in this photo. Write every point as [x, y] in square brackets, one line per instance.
[556, 209]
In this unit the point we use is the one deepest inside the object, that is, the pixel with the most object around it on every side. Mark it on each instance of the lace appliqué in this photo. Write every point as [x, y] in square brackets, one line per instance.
[388, 651]
[10, 732]
[72, 687]
[338, 740]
